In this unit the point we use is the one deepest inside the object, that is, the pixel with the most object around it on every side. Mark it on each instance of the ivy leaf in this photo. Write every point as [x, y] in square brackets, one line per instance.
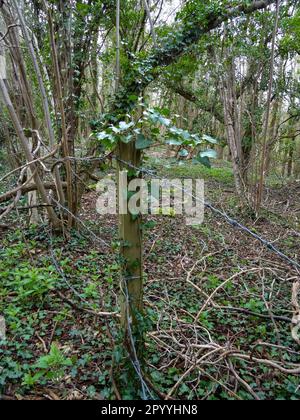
[204, 161]
[210, 139]
[126, 139]
[174, 142]
[185, 135]
[142, 142]
[123, 126]
[183, 153]
[164, 121]
[116, 130]
[157, 118]
[103, 135]
[210, 153]
[196, 139]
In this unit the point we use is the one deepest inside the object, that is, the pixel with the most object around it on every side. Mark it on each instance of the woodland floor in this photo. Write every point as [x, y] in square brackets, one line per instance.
[51, 288]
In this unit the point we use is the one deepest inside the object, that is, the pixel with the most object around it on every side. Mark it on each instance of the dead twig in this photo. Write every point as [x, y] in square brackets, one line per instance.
[221, 287]
[8, 30]
[242, 382]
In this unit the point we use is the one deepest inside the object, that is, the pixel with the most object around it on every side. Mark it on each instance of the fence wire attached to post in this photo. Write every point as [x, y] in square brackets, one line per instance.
[146, 393]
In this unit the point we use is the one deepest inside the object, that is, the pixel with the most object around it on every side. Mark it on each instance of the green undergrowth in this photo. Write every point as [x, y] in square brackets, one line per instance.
[186, 169]
[50, 287]
[49, 342]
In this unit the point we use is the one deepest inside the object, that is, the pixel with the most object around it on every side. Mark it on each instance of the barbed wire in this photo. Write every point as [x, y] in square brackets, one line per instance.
[89, 307]
[136, 363]
[77, 219]
[146, 393]
[233, 222]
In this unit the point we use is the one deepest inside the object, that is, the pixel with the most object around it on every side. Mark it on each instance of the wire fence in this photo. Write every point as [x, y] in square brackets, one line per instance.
[146, 394]
[137, 365]
[233, 222]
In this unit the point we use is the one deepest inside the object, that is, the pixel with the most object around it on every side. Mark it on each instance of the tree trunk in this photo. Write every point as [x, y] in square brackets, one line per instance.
[233, 134]
[25, 146]
[273, 129]
[45, 102]
[32, 198]
[297, 160]
[67, 153]
[290, 159]
[284, 160]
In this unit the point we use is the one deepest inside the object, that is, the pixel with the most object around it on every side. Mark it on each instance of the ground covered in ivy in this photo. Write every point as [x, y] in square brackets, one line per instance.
[212, 294]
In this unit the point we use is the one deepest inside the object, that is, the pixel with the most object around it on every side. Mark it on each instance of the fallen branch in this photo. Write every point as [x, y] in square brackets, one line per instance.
[242, 382]
[9, 208]
[37, 206]
[221, 287]
[7, 32]
[255, 314]
[38, 160]
[18, 195]
[266, 362]
[89, 311]
[4, 227]
[28, 188]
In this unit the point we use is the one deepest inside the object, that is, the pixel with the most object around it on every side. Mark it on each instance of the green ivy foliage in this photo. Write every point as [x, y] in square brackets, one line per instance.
[291, 41]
